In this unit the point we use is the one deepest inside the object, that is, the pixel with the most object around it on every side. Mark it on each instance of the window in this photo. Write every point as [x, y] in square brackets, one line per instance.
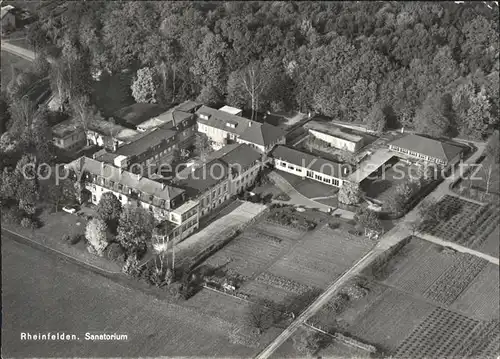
[151, 208]
[225, 187]
[120, 187]
[309, 174]
[213, 194]
[282, 164]
[291, 167]
[94, 198]
[327, 180]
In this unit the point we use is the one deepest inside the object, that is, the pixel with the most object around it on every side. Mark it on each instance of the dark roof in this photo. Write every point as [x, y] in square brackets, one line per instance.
[262, 134]
[229, 158]
[66, 127]
[146, 141]
[307, 160]
[188, 106]
[131, 180]
[220, 119]
[427, 146]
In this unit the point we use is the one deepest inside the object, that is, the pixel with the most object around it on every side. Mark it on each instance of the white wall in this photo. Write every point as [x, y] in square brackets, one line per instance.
[336, 142]
[302, 172]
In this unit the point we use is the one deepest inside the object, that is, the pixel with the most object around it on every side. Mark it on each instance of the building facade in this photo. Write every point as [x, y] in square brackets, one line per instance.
[422, 148]
[335, 136]
[307, 166]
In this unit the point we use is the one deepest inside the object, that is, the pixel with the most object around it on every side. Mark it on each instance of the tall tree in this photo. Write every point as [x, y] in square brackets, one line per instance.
[377, 120]
[433, 117]
[135, 228]
[144, 87]
[109, 210]
[83, 111]
[96, 234]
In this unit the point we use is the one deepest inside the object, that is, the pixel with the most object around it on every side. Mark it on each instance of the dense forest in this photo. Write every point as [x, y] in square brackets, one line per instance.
[428, 66]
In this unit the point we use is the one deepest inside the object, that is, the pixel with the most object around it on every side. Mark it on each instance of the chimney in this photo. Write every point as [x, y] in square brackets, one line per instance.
[250, 124]
[115, 145]
[402, 129]
[138, 176]
[163, 185]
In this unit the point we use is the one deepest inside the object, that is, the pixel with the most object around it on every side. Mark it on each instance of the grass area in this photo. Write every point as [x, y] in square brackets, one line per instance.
[9, 61]
[382, 184]
[154, 328]
[309, 188]
[57, 224]
[489, 172]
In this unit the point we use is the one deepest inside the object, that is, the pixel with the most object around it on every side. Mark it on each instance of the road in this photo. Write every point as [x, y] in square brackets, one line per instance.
[42, 292]
[397, 234]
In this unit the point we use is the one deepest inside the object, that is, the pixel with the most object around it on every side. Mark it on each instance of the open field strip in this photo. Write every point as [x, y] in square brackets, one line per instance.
[442, 334]
[480, 299]
[321, 257]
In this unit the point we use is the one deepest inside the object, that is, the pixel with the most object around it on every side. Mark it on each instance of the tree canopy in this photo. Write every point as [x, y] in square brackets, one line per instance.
[339, 59]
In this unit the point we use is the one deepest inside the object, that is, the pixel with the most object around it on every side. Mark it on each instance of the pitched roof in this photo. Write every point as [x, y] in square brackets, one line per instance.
[131, 180]
[66, 127]
[427, 146]
[111, 129]
[307, 160]
[6, 9]
[220, 119]
[138, 112]
[146, 141]
[262, 134]
[219, 164]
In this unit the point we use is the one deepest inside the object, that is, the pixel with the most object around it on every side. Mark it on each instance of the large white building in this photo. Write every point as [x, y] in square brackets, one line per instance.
[427, 149]
[165, 202]
[308, 166]
[225, 126]
[226, 173]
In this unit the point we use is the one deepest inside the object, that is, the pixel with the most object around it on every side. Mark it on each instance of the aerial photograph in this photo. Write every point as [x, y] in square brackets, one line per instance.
[250, 179]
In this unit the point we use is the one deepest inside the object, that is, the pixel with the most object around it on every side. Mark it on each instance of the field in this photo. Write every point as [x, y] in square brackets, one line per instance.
[418, 288]
[321, 257]
[8, 61]
[480, 299]
[42, 293]
[255, 249]
[479, 181]
[444, 333]
[468, 224]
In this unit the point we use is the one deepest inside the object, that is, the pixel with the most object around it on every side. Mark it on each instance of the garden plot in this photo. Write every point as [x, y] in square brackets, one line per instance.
[442, 334]
[390, 319]
[480, 299]
[250, 252]
[321, 257]
[455, 279]
[479, 226]
[462, 212]
[417, 266]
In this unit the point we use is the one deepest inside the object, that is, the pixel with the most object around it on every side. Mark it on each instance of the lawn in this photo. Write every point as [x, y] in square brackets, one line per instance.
[8, 61]
[488, 171]
[55, 225]
[309, 188]
[113, 92]
[43, 294]
[382, 185]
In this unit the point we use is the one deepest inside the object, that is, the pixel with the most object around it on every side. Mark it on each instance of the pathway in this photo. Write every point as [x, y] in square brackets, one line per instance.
[20, 51]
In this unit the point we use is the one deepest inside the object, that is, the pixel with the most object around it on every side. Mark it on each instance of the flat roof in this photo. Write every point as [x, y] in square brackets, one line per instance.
[66, 127]
[333, 130]
[230, 109]
[309, 161]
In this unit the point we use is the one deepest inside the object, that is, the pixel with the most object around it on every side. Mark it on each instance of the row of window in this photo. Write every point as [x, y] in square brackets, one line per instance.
[415, 154]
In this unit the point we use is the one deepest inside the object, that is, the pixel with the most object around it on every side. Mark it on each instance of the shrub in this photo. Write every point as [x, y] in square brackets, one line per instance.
[66, 237]
[75, 238]
[115, 252]
[27, 222]
[12, 215]
[334, 225]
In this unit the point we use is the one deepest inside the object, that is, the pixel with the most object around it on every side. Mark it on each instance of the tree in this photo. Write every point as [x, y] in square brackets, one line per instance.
[249, 84]
[368, 219]
[96, 233]
[203, 145]
[307, 343]
[396, 203]
[41, 66]
[109, 210]
[377, 120]
[492, 150]
[61, 193]
[349, 193]
[260, 316]
[4, 114]
[144, 87]
[433, 117]
[135, 228]
[84, 112]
